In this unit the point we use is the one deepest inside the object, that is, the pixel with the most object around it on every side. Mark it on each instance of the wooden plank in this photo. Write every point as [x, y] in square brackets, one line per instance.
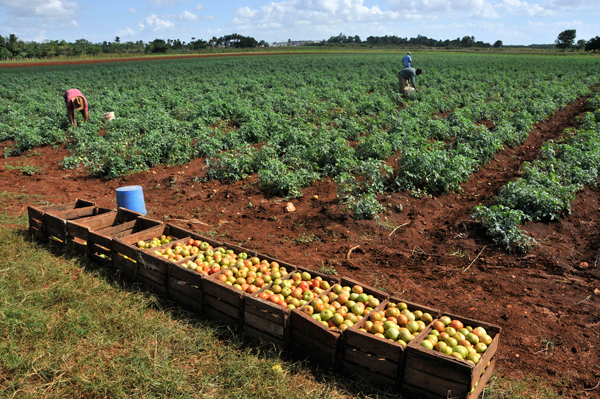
[185, 274]
[194, 293]
[279, 318]
[119, 228]
[36, 224]
[210, 301]
[379, 380]
[144, 233]
[106, 262]
[262, 324]
[151, 285]
[375, 345]
[78, 244]
[259, 335]
[225, 292]
[306, 324]
[367, 361]
[304, 346]
[267, 310]
[438, 364]
[184, 300]
[435, 384]
[483, 380]
[217, 316]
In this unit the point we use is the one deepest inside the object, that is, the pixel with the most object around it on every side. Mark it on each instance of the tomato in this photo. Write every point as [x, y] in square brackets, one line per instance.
[222, 277]
[215, 269]
[263, 295]
[303, 286]
[456, 324]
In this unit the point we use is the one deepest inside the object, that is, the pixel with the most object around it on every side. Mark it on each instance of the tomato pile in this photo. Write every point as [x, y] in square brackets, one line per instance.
[453, 338]
[252, 274]
[397, 323]
[155, 242]
[295, 291]
[341, 307]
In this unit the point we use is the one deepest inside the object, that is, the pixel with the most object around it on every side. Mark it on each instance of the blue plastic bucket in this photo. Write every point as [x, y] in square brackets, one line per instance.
[132, 198]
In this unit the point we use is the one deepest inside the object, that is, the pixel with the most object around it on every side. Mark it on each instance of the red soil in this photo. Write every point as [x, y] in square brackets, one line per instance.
[438, 257]
[147, 58]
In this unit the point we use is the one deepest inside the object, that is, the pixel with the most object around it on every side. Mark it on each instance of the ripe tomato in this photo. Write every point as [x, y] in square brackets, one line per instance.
[303, 286]
[214, 269]
[263, 295]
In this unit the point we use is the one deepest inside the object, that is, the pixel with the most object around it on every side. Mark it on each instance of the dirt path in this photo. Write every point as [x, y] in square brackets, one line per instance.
[544, 300]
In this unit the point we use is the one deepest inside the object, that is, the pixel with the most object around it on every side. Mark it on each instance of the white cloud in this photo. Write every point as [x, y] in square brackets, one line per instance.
[188, 16]
[126, 32]
[133, 10]
[158, 3]
[155, 23]
[461, 8]
[310, 14]
[46, 10]
[199, 7]
[571, 5]
[524, 8]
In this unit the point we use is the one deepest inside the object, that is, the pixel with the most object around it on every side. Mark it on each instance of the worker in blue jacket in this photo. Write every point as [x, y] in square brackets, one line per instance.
[407, 60]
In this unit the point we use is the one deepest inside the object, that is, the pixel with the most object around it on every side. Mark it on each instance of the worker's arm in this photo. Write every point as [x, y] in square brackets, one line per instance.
[70, 114]
[412, 81]
[86, 115]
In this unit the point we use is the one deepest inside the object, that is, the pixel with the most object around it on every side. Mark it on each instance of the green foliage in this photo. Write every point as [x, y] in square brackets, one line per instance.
[501, 224]
[315, 116]
[282, 180]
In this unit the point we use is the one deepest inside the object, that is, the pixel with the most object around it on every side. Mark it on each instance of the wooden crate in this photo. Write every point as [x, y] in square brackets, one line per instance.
[268, 322]
[155, 272]
[430, 374]
[99, 240]
[36, 215]
[78, 230]
[224, 303]
[376, 360]
[185, 285]
[55, 222]
[310, 339]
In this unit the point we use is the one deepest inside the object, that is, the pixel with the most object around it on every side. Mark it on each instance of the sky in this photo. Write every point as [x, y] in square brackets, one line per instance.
[514, 22]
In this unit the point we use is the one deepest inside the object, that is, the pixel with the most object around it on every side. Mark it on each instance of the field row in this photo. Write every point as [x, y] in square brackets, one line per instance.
[297, 119]
[548, 185]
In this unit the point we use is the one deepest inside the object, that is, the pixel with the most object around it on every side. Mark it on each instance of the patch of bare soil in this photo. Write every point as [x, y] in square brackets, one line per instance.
[544, 300]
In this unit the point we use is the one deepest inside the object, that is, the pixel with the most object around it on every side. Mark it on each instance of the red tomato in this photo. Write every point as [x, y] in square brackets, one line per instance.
[303, 286]
[456, 324]
[263, 295]
[214, 269]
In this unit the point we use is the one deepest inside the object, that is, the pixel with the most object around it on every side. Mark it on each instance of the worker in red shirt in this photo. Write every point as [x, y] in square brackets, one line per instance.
[76, 101]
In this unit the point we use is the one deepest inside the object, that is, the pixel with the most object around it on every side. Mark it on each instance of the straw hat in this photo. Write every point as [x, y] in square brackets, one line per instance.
[408, 53]
[78, 103]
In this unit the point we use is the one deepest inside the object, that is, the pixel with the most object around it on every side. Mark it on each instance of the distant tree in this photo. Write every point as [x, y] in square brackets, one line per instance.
[157, 46]
[498, 43]
[117, 39]
[467, 41]
[357, 39]
[581, 44]
[593, 44]
[566, 38]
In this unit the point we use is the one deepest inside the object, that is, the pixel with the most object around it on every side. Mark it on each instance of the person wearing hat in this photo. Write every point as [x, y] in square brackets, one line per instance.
[407, 75]
[407, 60]
[76, 102]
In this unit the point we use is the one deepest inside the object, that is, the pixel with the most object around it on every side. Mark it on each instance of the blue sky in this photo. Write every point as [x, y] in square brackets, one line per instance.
[512, 21]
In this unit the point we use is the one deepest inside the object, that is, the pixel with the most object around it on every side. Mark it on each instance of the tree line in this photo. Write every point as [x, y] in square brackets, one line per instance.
[11, 47]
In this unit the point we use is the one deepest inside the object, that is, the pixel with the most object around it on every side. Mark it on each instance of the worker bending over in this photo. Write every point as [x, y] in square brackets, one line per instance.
[76, 102]
[407, 75]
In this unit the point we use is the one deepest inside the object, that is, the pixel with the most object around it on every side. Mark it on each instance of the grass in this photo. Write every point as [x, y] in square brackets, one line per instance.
[69, 329]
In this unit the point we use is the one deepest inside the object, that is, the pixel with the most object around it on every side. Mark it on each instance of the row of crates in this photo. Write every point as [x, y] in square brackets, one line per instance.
[110, 238]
